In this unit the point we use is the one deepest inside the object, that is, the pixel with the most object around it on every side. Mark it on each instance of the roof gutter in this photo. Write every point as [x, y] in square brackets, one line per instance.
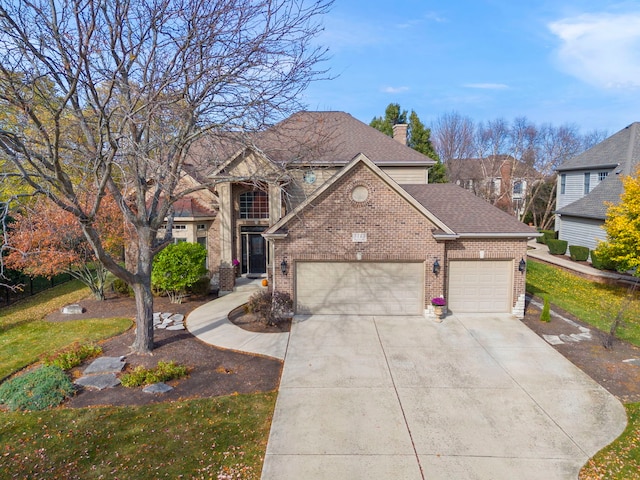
[587, 167]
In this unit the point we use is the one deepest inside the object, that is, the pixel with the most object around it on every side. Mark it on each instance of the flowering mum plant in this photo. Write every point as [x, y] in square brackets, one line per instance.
[235, 262]
[438, 302]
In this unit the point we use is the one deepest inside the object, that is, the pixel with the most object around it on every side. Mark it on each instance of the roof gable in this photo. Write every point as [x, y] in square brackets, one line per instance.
[466, 214]
[330, 138]
[276, 229]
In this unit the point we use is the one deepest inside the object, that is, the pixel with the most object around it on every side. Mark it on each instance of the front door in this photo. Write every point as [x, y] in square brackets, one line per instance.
[254, 252]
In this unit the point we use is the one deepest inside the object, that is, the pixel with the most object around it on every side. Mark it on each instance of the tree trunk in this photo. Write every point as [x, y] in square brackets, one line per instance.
[144, 317]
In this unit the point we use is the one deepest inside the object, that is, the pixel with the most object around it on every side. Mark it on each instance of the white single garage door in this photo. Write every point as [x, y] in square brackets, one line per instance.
[360, 288]
[481, 286]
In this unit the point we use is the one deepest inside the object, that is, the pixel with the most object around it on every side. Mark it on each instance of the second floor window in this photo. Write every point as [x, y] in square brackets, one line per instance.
[602, 176]
[517, 188]
[563, 183]
[587, 182]
[254, 205]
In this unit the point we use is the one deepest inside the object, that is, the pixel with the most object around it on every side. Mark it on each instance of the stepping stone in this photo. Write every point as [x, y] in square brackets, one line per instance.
[177, 317]
[156, 317]
[164, 316]
[568, 338]
[72, 309]
[160, 387]
[633, 361]
[176, 327]
[99, 382]
[105, 365]
[553, 339]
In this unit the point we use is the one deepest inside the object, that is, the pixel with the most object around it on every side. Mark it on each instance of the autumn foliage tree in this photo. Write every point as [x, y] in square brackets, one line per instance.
[131, 86]
[623, 228]
[46, 241]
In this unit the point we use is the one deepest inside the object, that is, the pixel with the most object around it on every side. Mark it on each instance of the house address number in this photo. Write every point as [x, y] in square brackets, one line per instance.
[359, 237]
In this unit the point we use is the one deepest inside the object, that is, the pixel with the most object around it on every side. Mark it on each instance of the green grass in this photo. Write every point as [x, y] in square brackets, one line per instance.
[597, 304]
[594, 303]
[192, 439]
[25, 337]
[621, 459]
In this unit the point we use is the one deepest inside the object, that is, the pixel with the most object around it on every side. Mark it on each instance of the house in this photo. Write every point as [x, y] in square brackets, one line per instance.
[502, 180]
[316, 205]
[589, 182]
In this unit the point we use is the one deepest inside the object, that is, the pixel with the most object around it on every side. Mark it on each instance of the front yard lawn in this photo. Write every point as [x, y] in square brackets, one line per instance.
[594, 303]
[222, 437]
[25, 336]
[597, 304]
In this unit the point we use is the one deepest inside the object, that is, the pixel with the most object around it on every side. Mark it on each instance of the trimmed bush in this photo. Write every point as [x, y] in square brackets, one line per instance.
[201, 287]
[122, 287]
[601, 262]
[548, 235]
[578, 253]
[73, 356]
[271, 308]
[557, 247]
[545, 316]
[163, 372]
[38, 389]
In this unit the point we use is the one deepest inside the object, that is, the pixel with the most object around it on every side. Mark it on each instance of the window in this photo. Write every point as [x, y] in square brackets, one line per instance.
[201, 227]
[517, 188]
[563, 183]
[179, 227]
[602, 176]
[587, 181]
[254, 205]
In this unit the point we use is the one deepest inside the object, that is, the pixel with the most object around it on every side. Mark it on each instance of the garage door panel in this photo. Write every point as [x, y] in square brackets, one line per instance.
[480, 286]
[360, 288]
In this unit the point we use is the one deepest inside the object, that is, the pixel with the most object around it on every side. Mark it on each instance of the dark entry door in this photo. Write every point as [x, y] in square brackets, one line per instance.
[254, 251]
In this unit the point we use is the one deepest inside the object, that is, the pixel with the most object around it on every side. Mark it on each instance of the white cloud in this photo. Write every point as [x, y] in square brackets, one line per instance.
[600, 49]
[395, 90]
[487, 86]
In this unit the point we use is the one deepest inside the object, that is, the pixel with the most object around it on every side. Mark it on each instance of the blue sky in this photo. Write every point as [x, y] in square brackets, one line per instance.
[552, 61]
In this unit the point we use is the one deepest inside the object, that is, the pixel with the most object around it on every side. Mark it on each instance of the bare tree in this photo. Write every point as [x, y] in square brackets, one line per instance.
[112, 94]
[453, 139]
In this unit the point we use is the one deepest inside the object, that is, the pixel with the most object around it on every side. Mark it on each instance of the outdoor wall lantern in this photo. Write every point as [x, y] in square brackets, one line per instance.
[436, 267]
[284, 266]
[522, 266]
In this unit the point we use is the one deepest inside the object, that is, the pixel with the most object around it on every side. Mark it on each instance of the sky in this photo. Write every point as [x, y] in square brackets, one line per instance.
[552, 61]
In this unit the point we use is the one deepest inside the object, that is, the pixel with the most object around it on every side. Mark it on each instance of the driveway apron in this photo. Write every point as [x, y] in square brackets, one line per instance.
[474, 397]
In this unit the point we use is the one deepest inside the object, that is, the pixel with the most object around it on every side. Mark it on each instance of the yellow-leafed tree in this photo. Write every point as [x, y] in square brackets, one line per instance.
[623, 228]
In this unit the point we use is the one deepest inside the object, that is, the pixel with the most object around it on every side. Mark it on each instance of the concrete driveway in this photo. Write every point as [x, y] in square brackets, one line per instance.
[475, 397]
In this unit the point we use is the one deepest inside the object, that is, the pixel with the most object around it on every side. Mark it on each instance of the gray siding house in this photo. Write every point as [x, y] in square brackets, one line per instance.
[588, 182]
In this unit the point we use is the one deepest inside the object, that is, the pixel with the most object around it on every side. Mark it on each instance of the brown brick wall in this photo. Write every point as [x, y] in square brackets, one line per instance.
[395, 230]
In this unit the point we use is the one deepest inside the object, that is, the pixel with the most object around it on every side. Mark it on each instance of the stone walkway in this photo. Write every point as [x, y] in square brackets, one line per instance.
[102, 372]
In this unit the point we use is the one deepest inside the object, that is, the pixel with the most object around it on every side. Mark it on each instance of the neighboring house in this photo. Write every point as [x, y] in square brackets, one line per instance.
[502, 180]
[315, 204]
[589, 182]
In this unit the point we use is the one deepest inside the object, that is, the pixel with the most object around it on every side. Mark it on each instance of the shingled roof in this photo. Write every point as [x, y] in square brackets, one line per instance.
[330, 138]
[620, 152]
[465, 213]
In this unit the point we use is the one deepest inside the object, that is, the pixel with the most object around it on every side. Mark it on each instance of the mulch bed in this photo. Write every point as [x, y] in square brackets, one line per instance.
[214, 371]
[605, 366]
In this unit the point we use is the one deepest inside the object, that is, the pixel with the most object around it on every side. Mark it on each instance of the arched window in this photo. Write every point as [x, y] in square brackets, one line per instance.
[254, 205]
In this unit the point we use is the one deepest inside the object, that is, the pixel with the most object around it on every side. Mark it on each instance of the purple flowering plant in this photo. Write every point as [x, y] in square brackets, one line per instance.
[235, 262]
[438, 302]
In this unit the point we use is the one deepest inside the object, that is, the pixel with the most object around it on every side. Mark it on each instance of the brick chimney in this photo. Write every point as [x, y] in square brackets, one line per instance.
[400, 133]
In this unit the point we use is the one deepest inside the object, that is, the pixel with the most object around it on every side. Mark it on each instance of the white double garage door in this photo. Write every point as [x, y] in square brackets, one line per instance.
[397, 288]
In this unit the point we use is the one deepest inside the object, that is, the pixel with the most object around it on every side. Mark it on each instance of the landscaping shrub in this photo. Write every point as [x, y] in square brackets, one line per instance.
[163, 372]
[38, 389]
[73, 356]
[121, 287]
[601, 262]
[545, 316]
[548, 235]
[178, 267]
[201, 287]
[557, 247]
[271, 308]
[578, 253]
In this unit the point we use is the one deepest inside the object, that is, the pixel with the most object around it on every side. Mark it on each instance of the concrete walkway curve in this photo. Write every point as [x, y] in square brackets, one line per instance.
[210, 323]
[475, 397]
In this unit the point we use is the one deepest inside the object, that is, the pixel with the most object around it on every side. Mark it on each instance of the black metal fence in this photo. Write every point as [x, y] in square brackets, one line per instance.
[28, 286]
